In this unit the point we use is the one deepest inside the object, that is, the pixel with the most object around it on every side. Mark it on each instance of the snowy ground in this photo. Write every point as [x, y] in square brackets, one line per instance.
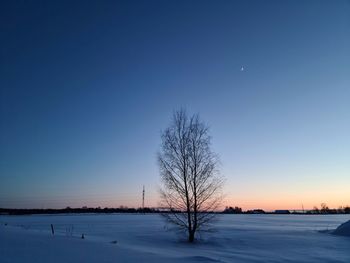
[146, 238]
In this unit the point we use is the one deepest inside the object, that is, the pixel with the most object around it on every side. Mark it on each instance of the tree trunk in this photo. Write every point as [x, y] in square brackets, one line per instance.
[191, 236]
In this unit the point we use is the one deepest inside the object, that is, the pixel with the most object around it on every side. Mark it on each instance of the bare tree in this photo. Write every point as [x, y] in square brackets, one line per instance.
[188, 168]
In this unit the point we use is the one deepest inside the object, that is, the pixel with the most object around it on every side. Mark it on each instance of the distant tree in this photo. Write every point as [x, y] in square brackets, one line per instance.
[191, 185]
[324, 208]
[340, 210]
[231, 210]
[347, 210]
[315, 210]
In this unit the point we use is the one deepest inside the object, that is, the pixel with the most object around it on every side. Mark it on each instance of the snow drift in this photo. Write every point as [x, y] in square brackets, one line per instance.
[343, 229]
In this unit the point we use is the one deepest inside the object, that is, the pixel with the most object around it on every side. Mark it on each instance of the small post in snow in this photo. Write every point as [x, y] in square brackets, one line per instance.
[52, 230]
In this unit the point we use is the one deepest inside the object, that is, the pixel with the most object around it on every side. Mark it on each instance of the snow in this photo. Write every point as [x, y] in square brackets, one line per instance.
[343, 229]
[146, 238]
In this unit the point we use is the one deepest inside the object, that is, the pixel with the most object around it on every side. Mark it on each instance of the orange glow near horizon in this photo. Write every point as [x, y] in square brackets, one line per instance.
[268, 203]
[249, 197]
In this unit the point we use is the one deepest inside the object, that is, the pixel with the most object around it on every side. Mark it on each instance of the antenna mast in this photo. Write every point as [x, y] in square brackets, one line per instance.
[143, 198]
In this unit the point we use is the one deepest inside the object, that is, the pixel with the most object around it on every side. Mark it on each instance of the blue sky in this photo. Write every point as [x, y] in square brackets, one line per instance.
[87, 87]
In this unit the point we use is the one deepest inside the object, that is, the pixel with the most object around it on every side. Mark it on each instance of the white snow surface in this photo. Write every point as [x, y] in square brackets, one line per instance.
[343, 229]
[147, 238]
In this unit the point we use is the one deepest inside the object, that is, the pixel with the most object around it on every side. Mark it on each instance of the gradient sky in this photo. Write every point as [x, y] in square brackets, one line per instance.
[87, 86]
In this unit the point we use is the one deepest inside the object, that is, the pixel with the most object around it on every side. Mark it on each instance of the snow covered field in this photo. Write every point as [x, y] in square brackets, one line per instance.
[146, 238]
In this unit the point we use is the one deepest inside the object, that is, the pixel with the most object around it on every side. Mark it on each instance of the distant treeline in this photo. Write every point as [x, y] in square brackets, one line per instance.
[324, 209]
[68, 210]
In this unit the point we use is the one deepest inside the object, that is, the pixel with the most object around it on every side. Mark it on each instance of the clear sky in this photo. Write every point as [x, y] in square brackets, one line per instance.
[87, 86]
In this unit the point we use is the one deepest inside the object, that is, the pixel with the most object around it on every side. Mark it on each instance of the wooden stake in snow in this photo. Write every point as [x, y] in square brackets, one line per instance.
[52, 230]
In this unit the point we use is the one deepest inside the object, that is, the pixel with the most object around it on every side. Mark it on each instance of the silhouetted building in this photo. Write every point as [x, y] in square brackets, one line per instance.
[256, 211]
[282, 212]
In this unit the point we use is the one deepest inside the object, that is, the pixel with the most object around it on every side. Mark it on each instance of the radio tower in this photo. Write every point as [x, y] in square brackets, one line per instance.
[143, 198]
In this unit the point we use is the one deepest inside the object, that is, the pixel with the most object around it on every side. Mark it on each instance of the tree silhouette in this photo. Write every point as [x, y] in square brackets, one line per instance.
[191, 185]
